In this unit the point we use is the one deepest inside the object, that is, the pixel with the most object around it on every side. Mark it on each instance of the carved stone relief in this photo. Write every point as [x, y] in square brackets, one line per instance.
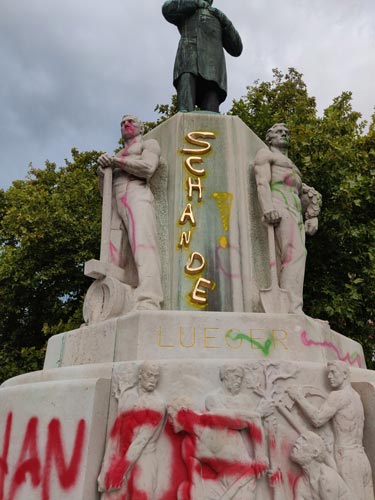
[247, 435]
[344, 410]
[130, 463]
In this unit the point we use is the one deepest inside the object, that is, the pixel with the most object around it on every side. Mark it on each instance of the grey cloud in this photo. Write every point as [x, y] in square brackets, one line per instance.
[69, 68]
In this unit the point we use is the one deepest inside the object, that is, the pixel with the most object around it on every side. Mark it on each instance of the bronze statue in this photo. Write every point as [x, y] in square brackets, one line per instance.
[200, 75]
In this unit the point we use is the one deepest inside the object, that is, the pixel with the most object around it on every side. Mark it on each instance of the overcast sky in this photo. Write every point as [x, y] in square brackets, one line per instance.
[69, 69]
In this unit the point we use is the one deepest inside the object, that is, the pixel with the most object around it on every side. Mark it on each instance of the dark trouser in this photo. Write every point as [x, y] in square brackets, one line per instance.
[193, 90]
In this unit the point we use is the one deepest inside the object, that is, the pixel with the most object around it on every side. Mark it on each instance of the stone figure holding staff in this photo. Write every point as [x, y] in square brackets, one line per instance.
[133, 204]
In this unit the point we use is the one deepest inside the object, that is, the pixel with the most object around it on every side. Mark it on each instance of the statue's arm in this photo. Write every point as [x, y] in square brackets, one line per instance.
[144, 165]
[311, 202]
[317, 416]
[176, 11]
[140, 441]
[232, 42]
[263, 177]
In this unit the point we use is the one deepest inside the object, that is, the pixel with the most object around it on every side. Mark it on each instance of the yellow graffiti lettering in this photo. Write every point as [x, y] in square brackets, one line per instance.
[195, 171]
[194, 184]
[193, 138]
[184, 239]
[200, 295]
[187, 214]
[199, 261]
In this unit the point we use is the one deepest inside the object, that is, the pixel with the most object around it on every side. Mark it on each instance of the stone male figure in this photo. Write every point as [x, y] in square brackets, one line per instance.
[343, 407]
[130, 463]
[231, 402]
[290, 206]
[200, 75]
[320, 480]
[217, 460]
[133, 201]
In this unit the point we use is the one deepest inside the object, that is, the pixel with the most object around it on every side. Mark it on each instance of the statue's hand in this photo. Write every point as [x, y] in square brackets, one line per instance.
[272, 217]
[295, 393]
[266, 407]
[220, 16]
[261, 465]
[203, 5]
[274, 477]
[311, 226]
[105, 160]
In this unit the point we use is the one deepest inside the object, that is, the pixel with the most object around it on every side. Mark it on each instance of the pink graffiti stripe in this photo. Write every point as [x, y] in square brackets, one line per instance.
[220, 264]
[146, 247]
[289, 255]
[132, 223]
[348, 358]
[114, 253]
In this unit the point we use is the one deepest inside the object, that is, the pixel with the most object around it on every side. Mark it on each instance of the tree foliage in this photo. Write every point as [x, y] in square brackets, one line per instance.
[50, 224]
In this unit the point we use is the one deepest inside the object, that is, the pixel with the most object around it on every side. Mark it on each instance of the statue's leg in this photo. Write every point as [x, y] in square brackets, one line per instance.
[355, 469]
[210, 97]
[290, 245]
[186, 92]
[141, 227]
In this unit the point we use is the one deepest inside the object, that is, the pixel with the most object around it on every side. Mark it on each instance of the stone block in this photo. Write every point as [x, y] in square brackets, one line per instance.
[52, 435]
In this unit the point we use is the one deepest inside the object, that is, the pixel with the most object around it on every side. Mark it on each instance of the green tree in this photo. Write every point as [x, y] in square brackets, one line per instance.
[50, 225]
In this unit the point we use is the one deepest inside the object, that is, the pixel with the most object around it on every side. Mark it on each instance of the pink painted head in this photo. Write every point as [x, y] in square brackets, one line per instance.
[131, 126]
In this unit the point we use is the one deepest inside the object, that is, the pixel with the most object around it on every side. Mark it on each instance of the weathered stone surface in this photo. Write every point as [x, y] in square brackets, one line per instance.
[204, 335]
[52, 435]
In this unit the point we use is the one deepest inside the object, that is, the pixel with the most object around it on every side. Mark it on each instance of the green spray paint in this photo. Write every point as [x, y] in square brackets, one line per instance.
[265, 348]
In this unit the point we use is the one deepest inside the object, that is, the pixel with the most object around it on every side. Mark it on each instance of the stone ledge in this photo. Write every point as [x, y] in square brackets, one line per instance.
[186, 335]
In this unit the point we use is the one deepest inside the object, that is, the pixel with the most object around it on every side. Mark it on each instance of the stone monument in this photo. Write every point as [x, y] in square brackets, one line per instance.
[189, 379]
